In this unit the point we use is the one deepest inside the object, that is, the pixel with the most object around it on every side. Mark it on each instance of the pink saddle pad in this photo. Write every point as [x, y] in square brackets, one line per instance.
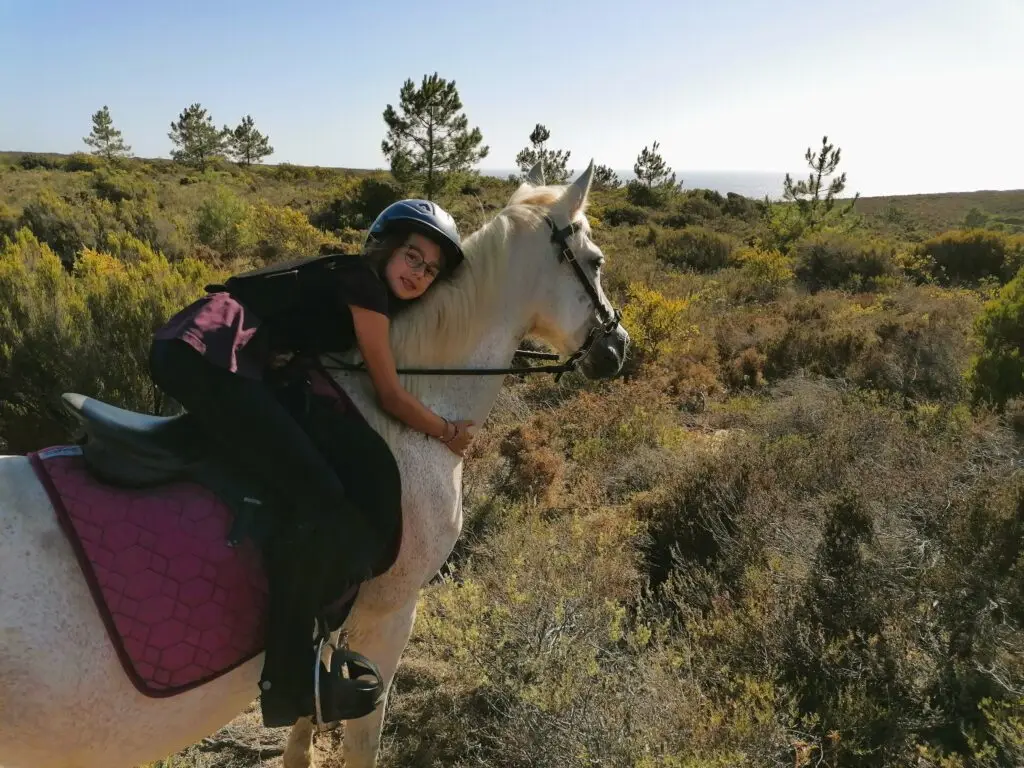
[181, 606]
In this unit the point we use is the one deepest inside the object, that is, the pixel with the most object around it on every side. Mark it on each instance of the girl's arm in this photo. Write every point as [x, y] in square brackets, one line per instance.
[374, 343]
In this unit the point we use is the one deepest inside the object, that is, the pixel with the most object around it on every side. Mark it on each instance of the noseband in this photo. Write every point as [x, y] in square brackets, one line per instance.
[609, 322]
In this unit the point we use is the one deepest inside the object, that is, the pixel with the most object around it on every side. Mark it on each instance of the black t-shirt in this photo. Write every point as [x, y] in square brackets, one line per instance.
[320, 320]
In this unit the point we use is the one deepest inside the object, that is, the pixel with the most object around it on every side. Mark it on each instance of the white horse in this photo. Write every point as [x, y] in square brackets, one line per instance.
[65, 701]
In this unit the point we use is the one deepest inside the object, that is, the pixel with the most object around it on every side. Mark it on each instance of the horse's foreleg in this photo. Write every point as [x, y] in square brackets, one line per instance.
[383, 642]
[298, 753]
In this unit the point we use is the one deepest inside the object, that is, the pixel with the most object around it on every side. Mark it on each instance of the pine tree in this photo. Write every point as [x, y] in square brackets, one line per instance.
[197, 138]
[606, 178]
[248, 144]
[104, 138]
[650, 168]
[554, 161]
[813, 208]
[428, 136]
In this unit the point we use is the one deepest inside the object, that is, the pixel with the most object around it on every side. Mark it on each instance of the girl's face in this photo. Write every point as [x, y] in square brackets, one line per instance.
[413, 266]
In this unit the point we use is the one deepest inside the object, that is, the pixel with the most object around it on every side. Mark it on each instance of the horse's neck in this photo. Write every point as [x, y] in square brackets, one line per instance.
[463, 397]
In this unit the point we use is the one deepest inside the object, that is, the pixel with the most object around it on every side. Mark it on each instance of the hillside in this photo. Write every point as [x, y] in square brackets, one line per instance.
[926, 215]
[792, 533]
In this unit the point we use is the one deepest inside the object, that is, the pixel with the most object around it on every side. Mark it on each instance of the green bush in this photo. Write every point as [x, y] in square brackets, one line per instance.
[914, 342]
[8, 221]
[834, 260]
[282, 233]
[696, 207]
[31, 160]
[373, 195]
[997, 374]
[116, 186]
[632, 215]
[66, 229]
[765, 273]
[639, 193]
[972, 255]
[86, 330]
[741, 207]
[222, 222]
[82, 162]
[359, 204]
[696, 248]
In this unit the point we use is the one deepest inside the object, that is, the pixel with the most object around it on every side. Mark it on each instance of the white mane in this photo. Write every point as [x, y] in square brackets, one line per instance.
[442, 326]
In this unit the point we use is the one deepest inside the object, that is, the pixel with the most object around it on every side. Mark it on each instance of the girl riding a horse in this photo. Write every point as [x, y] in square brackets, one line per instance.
[217, 358]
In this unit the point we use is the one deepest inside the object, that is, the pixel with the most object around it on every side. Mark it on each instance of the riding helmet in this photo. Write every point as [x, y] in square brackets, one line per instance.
[427, 218]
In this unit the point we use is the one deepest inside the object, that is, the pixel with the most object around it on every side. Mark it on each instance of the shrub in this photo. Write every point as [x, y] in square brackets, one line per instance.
[116, 186]
[82, 162]
[657, 324]
[535, 469]
[31, 160]
[625, 214]
[696, 248]
[696, 207]
[359, 204]
[86, 330]
[913, 343]
[972, 255]
[222, 222]
[997, 374]
[678, 220]
[373, 195]
[740, 207]
[530, 652]
[282, 233]
[782, 558]
[834, 260]
[8, 221]
[766, 272]
[639, 193]
[65, 229]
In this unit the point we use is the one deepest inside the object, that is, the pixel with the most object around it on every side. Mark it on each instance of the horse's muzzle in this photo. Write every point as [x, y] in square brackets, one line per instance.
[606, 357]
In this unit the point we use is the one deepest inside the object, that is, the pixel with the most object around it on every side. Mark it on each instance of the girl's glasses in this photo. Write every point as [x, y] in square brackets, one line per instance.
[417, 263]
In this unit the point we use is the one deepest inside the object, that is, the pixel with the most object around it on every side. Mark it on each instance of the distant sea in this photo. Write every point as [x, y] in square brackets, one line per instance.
[754, 184]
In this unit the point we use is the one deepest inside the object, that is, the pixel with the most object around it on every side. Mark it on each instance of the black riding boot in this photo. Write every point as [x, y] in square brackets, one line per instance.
[305, 576]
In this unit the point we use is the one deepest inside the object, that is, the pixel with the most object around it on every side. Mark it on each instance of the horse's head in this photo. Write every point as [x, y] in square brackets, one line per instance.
[571, 312]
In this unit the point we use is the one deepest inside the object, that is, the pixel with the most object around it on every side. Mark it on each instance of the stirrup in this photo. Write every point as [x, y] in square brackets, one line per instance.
[346, 698]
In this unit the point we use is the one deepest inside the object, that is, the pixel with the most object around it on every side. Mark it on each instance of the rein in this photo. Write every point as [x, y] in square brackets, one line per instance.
[571, 364]
[609, 322]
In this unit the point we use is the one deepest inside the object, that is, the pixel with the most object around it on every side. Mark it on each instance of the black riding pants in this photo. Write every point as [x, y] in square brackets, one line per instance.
[327, 541]
[250, 426]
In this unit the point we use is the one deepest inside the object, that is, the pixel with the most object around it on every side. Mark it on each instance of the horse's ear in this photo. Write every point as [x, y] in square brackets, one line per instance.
[535, 175]
[575, 197]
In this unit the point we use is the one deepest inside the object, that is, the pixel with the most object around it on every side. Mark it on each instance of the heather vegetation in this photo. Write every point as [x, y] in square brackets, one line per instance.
[791, 534]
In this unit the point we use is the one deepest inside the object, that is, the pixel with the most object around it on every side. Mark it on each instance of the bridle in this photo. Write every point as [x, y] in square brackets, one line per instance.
[609, 319]
[609, 322]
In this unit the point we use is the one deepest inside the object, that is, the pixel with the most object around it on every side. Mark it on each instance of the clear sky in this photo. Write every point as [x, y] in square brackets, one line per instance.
[922, 95]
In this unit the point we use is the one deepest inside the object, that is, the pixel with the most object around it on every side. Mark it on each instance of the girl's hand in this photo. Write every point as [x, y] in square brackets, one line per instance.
[460, 437]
